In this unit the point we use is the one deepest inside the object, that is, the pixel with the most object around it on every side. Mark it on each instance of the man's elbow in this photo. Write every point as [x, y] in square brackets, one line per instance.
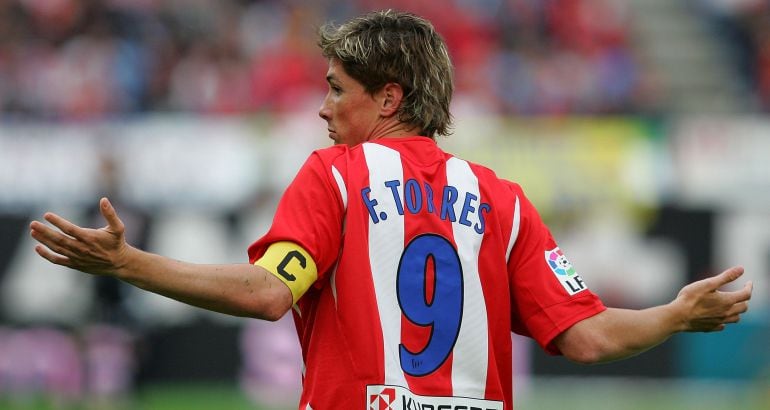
[584, 345]
[585, 355]
[598, 351]
[267, 298]
[273, 314]
[270, 306]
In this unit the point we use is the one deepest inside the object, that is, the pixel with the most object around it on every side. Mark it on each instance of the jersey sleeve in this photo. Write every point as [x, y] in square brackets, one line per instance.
[310, 214]
[548, 295]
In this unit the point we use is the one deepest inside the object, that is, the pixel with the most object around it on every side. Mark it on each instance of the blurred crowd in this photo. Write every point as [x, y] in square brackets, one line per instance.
[94, 59]
[746, 26]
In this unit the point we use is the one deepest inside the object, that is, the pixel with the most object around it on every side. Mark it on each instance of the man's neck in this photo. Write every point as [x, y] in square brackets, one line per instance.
[394, 130]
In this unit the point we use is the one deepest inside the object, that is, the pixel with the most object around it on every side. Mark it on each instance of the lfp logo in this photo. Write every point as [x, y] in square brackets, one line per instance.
[383, 400]
[559, 263]
[562, 268]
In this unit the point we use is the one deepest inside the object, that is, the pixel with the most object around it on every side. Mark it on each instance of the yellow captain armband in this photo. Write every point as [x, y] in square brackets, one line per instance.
[291, 264]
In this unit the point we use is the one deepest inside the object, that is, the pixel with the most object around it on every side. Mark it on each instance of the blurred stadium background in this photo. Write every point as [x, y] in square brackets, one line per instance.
[639, 128]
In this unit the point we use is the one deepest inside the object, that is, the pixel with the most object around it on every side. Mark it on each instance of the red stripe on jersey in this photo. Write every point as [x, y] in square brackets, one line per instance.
[356, 297]
[500, 369]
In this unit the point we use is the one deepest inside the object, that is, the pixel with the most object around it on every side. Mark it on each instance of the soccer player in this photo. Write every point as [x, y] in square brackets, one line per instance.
[405, 267]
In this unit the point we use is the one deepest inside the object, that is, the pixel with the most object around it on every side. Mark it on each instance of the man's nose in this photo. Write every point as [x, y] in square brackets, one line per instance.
[323, 111]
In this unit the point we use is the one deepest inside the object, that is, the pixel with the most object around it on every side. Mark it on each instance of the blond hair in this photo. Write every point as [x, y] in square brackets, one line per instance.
[396, 47]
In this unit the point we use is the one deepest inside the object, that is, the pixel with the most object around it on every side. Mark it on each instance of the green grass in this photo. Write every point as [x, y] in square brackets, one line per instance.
[538, 394]
[194, 397]
[156, 397]
[641, 394]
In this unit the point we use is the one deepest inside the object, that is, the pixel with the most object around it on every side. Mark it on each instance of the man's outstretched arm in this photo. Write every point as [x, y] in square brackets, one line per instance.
[620, 333]
[236, 289]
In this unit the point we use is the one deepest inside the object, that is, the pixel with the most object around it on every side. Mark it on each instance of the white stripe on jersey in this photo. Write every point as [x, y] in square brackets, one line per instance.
[386, 243]
[514, 229]
[341, 186]
[333, 283]
[344, 194]
[470, 354]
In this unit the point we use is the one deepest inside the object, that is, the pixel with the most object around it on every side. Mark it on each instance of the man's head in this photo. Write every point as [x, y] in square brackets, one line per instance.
[382, 49]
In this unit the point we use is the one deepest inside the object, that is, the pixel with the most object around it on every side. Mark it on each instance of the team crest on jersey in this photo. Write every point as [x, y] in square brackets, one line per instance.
[565, 273]
[383, 400]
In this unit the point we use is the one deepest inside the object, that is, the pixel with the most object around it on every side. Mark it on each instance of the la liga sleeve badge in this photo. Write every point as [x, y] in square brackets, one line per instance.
[564, 271]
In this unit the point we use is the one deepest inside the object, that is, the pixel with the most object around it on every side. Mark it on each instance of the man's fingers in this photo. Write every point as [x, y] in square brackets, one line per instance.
[742, 295]
[51, 256]
[733, 319]
[114, 223]
[64, 225]
[738, 308]
[44, 234]
[54, 241]
[724, 278]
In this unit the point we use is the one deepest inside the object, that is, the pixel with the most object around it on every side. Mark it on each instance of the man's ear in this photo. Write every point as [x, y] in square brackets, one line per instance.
[390, 99]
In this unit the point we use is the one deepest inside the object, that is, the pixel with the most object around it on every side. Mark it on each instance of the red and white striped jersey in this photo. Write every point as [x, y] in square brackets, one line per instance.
[426, 263]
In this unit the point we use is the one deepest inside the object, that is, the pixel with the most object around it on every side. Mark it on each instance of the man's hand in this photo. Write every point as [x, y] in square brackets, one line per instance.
[704, 308]
[619, 333]
[236, 289]
[97, 251]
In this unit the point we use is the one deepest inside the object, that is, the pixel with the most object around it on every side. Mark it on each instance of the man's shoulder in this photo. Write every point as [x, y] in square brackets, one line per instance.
[488, 176]
[332, 152]
[483, 171]
[328, 156]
